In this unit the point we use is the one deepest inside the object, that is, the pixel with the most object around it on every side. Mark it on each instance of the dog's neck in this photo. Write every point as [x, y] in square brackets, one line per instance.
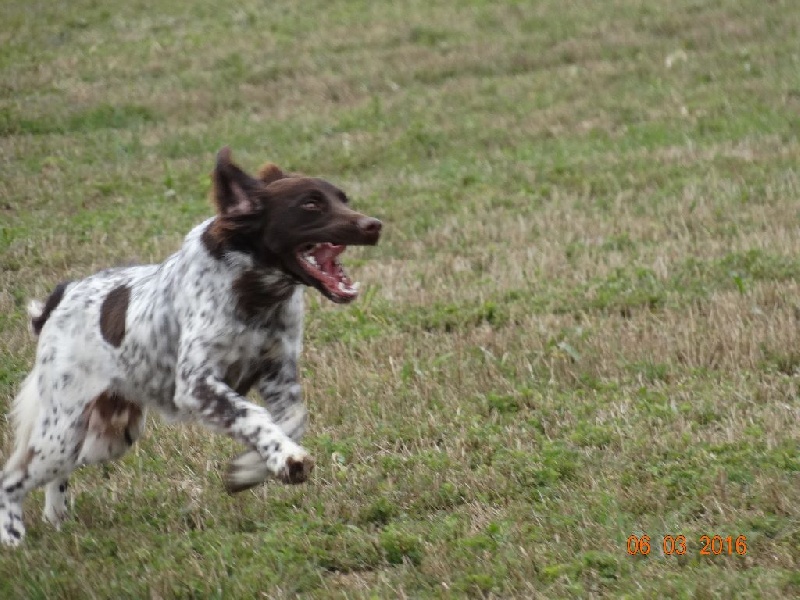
[258, 286]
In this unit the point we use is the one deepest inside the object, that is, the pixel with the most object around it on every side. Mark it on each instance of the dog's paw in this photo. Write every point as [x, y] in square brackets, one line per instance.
[250, 469]
[244, 472]
[55, 517]
[297, 469]
[11, 528]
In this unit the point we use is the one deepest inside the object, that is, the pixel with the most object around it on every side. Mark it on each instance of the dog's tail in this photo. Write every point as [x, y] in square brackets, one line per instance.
[35, 313]
[24, 412]
[25, 408]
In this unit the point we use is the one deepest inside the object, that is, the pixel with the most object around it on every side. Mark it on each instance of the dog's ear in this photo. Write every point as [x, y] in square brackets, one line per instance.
[235, 192]
[270, 172]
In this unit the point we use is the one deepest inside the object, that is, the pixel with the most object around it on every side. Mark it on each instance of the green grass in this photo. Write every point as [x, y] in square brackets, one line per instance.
[581, 323]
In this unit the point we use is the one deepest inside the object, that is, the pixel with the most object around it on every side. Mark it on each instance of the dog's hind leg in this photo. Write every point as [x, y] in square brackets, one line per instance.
[24, 414]
[55, 502]
[43, 464]
[12, 529]
[54, 437]
[50, 454]
[112, 426]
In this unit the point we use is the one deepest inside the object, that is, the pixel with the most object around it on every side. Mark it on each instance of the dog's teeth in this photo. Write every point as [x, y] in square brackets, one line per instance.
[348, 289]
[312, 261]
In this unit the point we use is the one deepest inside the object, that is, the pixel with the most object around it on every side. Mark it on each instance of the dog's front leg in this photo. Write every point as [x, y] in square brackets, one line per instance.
[283, 397]
[281, 393]
[219, 407]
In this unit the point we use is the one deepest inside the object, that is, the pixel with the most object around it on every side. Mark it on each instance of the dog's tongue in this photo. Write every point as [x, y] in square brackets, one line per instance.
[325, 255]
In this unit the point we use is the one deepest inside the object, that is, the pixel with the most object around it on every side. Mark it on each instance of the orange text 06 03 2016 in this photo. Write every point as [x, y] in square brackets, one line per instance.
[677, 545]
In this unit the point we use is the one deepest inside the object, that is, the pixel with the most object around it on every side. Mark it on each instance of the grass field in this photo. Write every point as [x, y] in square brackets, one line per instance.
[581, 324]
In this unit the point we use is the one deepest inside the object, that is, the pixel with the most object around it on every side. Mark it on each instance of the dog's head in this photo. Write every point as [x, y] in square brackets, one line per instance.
[298, 224]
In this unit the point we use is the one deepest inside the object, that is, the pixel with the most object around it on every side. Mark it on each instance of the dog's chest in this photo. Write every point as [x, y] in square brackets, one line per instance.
[252, 351]
[243, 361]
[202, 329]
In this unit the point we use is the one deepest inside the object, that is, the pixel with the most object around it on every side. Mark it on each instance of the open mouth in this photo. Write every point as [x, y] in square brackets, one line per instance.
[320, 262]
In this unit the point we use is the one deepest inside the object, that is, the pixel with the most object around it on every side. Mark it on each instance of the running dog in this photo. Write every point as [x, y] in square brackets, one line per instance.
[189, 338]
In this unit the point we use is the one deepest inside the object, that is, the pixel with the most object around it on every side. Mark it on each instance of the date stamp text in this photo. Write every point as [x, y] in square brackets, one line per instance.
[678, 545]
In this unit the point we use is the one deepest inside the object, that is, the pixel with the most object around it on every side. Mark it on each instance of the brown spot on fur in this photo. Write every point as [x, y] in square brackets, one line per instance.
[113, 313]
[111, 415]
[49, 306]
[254, 295]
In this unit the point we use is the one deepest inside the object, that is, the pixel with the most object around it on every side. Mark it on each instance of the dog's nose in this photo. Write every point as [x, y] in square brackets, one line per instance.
[369, 225]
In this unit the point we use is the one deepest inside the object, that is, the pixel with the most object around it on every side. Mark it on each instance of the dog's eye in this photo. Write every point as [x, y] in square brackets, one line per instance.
[312, 205]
